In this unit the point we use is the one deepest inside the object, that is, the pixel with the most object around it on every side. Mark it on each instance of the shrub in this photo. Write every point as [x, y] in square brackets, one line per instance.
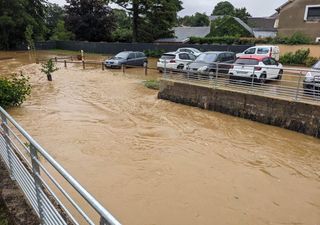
[13, 92]
[297, 58]
[48, 68]
[154, 53]
[152, 84]
[310, 61]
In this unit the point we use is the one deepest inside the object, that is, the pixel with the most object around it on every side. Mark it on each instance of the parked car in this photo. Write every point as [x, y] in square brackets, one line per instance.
[206, 63]
[267, 51]
[128, 58]
[193, 51]
[311, 82]
[174, 61]
[260, 68]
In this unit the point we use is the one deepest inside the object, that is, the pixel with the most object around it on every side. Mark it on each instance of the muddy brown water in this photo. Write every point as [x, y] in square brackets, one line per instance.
[151, 161]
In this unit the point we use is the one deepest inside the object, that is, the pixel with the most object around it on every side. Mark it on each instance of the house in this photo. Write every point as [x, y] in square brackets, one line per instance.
[183, 34]
[299, 16]
[263, 27]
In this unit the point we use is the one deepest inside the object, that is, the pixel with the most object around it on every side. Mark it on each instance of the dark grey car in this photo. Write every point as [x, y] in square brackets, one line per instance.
[206, 63]
[128, 58]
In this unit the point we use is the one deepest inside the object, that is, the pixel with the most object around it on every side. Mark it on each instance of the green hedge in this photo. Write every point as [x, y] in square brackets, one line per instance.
[295, 39]
[154, 53]
[13, 92]
[300, 57]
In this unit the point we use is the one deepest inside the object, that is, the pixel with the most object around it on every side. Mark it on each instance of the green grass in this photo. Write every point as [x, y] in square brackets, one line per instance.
[152, 84]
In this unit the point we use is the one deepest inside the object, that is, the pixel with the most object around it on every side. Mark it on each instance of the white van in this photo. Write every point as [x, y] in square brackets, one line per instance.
[269, 51]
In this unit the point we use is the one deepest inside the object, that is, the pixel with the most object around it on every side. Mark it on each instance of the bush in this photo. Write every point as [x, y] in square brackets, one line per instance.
[154, 53]
[310, 61]
[13, 92]
[300, 57]
[152, 84]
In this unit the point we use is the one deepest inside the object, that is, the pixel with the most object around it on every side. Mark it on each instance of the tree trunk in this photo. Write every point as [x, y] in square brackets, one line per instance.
[135, 17]
[49, 77]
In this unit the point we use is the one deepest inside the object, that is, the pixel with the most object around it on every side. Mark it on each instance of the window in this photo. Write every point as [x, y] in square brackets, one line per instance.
[168, 56]
[247, 62]
[184, 56]
[131, 56]
[250, 51]
[207, 58]
[273, 62]
[192, 57]
[266, 61]
[263, 51]
[312, 13]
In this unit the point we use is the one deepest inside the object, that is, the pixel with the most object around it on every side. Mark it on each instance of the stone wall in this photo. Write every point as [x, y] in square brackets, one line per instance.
[296, 116]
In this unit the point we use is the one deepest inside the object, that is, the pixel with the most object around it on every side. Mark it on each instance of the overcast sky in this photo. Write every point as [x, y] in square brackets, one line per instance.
[255, 7]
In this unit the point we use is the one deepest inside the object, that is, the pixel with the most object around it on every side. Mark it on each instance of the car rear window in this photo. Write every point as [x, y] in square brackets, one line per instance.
[168, 56]
[207, 58]
[247, 61]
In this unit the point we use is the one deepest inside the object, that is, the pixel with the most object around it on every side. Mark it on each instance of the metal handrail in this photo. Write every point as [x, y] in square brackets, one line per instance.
[105, 216]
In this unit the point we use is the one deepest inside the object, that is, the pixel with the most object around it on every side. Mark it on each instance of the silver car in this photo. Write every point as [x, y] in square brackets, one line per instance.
[311, 83]
[128, 58]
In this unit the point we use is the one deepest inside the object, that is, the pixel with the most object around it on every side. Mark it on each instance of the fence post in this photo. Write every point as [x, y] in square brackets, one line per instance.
[83, 65]
[65, 63]
[145, 65]
[55, 59]
[298, 86]
[37, 181]
[7, 140]
[252, 80]
[123, 66]
[102, 66]
[165, 68]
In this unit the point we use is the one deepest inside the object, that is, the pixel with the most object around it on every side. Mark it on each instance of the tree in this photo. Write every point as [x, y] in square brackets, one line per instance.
[123, 32]
[151, 19]
[227, 26]
[29, 37]
[196, 20]
[54, 14]
[15, 16]
[48, 68]
[60, 33]
[225, 8]
[90, 20]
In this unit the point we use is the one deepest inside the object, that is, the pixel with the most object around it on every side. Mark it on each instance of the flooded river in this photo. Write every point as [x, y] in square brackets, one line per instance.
[153, 162]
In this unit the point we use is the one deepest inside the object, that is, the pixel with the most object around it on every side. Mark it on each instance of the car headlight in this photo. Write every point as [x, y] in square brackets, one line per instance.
[203, 68]
[309, 77]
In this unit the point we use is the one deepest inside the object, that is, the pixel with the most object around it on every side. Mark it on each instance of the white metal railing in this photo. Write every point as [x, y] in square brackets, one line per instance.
[28, 164]
[289, 85]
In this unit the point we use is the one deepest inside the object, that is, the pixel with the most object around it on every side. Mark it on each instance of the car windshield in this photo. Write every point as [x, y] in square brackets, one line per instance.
[316, 66]
[195, 50]
[121, 55]
[207, 58]
[247, 62]
[167, 56]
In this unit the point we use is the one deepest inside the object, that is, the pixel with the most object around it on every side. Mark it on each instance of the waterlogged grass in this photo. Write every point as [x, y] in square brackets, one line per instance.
[152, 84]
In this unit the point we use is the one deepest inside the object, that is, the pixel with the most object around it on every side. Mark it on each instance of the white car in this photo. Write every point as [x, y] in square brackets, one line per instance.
[193, 51]
[311, 82]
[267, 51]
[258, 68]
[174, 61]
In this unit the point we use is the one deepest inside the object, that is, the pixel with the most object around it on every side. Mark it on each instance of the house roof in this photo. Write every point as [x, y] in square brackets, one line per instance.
[182, 34]
[243, 24]
[284, 5]
[262, 23]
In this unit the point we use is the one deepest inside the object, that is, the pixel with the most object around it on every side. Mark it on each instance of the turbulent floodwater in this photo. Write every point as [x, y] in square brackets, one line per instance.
[151, 161]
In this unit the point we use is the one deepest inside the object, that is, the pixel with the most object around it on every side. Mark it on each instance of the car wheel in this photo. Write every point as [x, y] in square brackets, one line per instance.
[279, 77]
[180, 67]
[262, 78]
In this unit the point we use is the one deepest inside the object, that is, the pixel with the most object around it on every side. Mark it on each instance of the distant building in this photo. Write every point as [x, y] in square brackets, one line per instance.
[183, 34]
[263, 27]
[299, 16]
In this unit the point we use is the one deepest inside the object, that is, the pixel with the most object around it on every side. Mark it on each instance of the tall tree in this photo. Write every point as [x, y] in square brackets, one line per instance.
[90, 20]
[54, 14]
[196, 20]
[225, 8]
[151, 19]
[15, 16]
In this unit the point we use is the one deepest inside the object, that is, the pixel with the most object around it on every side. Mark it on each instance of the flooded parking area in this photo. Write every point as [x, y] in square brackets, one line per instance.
[151, 161]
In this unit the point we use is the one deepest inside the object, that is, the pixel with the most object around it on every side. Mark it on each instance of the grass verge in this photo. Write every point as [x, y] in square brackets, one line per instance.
[152, 84]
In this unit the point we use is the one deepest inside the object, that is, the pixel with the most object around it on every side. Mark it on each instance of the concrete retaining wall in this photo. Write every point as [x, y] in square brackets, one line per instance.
[296, 116]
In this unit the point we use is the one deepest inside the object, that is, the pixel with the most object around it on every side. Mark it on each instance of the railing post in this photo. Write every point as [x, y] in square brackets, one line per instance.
[103, 221]
[37, 181]
[165, 68]
[6, 138]
[217, 73]
[252, 80]
[83, 65]
[298, 86]
[123, 67]
[65, 63]
[55, 59]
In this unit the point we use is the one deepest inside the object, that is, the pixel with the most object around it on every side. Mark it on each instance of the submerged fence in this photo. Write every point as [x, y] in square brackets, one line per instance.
[45, 182]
